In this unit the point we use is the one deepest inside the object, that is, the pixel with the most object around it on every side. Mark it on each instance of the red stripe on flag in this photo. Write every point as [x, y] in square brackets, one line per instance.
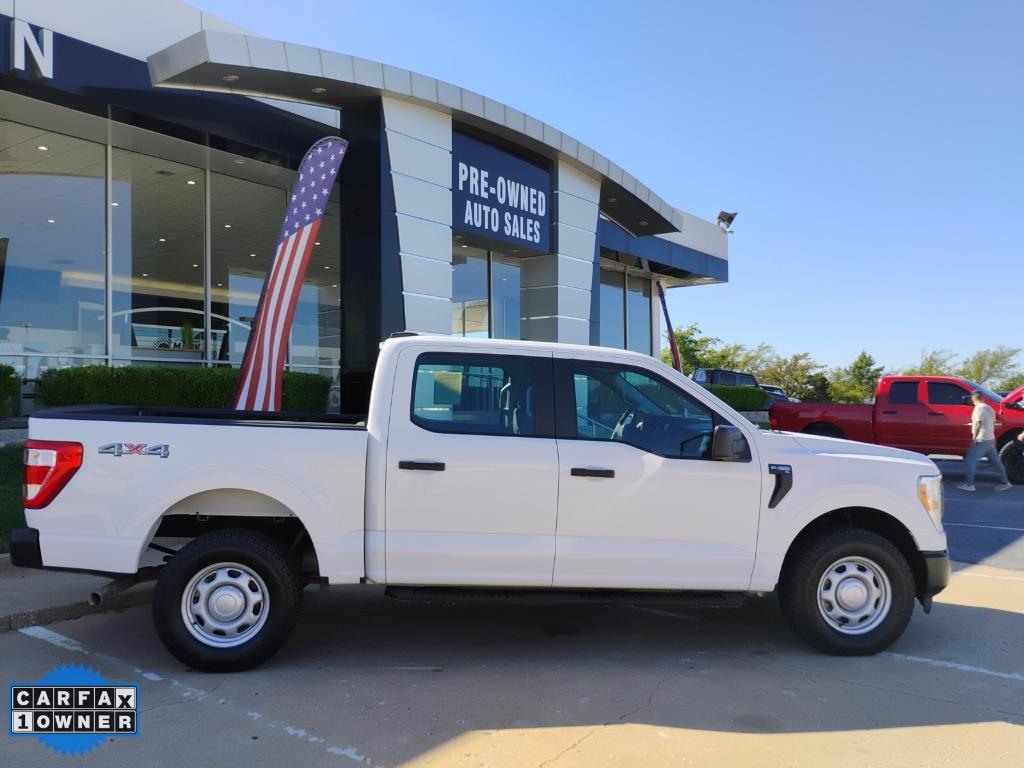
[243, 399]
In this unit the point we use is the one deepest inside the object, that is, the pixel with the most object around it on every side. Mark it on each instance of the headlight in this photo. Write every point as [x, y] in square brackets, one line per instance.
[929, 491]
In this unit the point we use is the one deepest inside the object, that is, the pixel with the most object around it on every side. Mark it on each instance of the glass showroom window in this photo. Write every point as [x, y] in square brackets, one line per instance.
[470, 309]
[52, 246]
[157, 215]
[477, 311]
[245, 223]
[316, 330]
[638, 314]
[612, 323]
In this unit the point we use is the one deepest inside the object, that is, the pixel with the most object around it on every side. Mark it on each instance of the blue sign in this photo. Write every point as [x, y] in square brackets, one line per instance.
[499, 197]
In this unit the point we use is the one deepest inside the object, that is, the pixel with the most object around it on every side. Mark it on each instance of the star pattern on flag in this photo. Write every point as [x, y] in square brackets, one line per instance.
[316, 176]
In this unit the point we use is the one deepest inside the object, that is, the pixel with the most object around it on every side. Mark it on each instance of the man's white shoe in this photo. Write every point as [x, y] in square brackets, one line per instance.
[1003, 487]
[965, 487]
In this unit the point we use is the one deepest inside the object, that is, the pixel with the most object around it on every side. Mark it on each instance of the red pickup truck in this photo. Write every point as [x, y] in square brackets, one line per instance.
[926, 414]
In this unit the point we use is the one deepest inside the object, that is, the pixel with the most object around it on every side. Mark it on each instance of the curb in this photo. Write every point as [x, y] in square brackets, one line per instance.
[136, 596]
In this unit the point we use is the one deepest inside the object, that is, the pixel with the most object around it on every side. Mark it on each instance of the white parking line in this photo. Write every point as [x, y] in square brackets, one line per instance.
[194, 694]
[1015, 676]
[988, 576]
[978, 525]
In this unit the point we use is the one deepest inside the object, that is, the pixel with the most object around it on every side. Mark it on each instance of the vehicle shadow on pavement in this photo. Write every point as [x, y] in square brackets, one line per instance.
[442, 669]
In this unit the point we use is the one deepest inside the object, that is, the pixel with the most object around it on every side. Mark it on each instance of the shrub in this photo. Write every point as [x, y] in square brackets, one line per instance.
[172, 387]
[740, 398]
[10, 386]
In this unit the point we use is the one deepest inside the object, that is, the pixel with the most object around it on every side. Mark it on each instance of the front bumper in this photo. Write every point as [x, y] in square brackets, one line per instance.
[937, 571]
[25, 551]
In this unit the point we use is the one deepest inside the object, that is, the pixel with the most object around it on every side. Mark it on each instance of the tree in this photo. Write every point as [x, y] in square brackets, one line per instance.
[817, 389]
[796, 375]
[987, 366]
[694, 348]
[938, 362]
[1010, 383]
[856, 382]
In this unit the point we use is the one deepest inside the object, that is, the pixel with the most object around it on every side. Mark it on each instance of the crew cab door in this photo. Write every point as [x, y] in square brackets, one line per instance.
[641, 504]
[899, 416]
[948, 418]
[471, 483]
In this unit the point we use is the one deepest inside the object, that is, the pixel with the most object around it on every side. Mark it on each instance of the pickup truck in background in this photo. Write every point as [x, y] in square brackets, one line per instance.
[926, 414]
[504, 468]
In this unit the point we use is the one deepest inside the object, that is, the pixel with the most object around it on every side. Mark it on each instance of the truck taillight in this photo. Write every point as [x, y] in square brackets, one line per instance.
[773, 420]
[49, 466]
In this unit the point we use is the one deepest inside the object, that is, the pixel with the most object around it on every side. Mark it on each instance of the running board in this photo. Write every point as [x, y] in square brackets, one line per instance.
[543, 596]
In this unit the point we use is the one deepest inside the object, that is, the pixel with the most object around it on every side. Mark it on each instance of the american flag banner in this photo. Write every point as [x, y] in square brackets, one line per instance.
[259, 385]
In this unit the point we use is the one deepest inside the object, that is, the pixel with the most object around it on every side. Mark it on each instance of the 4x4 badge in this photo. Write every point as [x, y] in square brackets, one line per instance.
[163, 450]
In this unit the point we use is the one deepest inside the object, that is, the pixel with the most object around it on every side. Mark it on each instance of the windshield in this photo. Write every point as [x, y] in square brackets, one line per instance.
[988, 393]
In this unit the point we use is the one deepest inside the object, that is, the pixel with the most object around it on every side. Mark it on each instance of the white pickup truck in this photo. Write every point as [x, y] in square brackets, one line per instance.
[502, 467]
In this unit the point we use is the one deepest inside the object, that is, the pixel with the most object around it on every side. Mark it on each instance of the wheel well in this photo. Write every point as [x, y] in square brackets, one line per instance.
[1008, 436]
[236, 508]
[870, 519]
[824, 428]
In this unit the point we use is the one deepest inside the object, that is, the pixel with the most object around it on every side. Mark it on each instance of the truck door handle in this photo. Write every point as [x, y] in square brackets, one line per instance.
[890, 413]
[934, 413]
[423, 466]
[589, 472]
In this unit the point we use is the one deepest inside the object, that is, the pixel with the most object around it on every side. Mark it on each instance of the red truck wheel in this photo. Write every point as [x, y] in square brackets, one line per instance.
[1012, 456]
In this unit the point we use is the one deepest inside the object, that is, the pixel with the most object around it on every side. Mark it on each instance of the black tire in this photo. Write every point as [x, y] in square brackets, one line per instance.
[256, 553]
[799, 585]
[825, 430]
[1012, 456]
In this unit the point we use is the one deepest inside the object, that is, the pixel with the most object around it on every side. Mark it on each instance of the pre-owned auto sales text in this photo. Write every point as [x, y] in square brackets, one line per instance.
[529, 205]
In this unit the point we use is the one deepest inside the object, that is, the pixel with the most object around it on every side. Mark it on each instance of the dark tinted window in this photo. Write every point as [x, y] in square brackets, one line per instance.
[726, 379]
[903, 392]
[944, 393]
[745, 380]
[634, 407]
[475, 394]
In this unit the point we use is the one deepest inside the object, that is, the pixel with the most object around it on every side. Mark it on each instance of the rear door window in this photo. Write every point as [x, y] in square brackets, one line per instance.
[945, 393]
[903, 393]
[477, 394]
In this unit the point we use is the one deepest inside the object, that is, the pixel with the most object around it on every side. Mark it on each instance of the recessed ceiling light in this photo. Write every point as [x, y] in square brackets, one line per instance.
[230, 78]
[319, 90]
[613, 199]
[239, 161]
[43, 148]
[327, 266]
[220, 285]
[252, 255]
[51, 221]
[334, 285]
[191, 182]
[145, 274]
[195, 266]
[643, 222]
[317, 243]
[163, 239]
[464, 246]
[114, 205]
[227, 226]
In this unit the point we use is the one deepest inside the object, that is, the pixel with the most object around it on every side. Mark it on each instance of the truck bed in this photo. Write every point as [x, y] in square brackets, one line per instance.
[220, 416]
[855, 421]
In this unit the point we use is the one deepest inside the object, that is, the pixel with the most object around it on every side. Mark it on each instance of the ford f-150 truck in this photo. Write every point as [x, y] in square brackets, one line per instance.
[927, 414]
[498, 467]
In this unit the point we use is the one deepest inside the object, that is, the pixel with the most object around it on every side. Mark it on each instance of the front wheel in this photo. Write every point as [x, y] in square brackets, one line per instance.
[1012, 456]
[226, 601]
[848, 592]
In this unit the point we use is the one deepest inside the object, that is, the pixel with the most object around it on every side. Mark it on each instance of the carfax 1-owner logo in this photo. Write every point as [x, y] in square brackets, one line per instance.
[73, 709]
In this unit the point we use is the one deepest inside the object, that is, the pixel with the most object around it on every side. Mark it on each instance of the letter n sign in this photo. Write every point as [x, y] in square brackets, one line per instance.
[40, 50]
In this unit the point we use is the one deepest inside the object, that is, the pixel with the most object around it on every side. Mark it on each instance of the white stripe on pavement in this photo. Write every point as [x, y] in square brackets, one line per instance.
[1015, 676]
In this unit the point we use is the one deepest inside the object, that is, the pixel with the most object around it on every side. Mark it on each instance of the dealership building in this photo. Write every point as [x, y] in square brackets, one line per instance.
[147, 151]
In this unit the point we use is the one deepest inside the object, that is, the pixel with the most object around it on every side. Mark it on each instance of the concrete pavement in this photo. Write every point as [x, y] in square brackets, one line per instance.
[370, 681]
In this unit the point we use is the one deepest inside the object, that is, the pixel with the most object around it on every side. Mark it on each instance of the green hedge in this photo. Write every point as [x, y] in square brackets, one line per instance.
[174, 387]
[10, 387]
[740, 398]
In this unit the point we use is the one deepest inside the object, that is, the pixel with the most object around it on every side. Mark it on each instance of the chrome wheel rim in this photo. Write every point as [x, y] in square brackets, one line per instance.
[854, 595]
[225, 605]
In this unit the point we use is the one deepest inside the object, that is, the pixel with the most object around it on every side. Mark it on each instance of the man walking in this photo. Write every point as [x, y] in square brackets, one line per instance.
[983, 443]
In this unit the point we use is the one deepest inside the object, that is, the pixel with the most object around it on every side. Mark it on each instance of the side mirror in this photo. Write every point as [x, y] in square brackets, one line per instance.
[729, 444]
[966, 400]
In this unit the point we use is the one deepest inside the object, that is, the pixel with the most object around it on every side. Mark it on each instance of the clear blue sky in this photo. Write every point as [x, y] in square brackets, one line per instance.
[873, 150]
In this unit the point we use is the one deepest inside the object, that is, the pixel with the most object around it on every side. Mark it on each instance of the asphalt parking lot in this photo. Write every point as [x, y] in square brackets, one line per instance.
[370, 681]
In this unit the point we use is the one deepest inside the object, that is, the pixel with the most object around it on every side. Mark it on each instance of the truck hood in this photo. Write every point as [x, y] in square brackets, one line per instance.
[1014, 396]
[832, 446]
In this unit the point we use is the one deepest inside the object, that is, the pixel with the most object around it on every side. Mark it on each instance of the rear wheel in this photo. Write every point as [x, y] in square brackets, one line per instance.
[1012, 456]
[825, 430]
[849, 592]
[227, 601]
